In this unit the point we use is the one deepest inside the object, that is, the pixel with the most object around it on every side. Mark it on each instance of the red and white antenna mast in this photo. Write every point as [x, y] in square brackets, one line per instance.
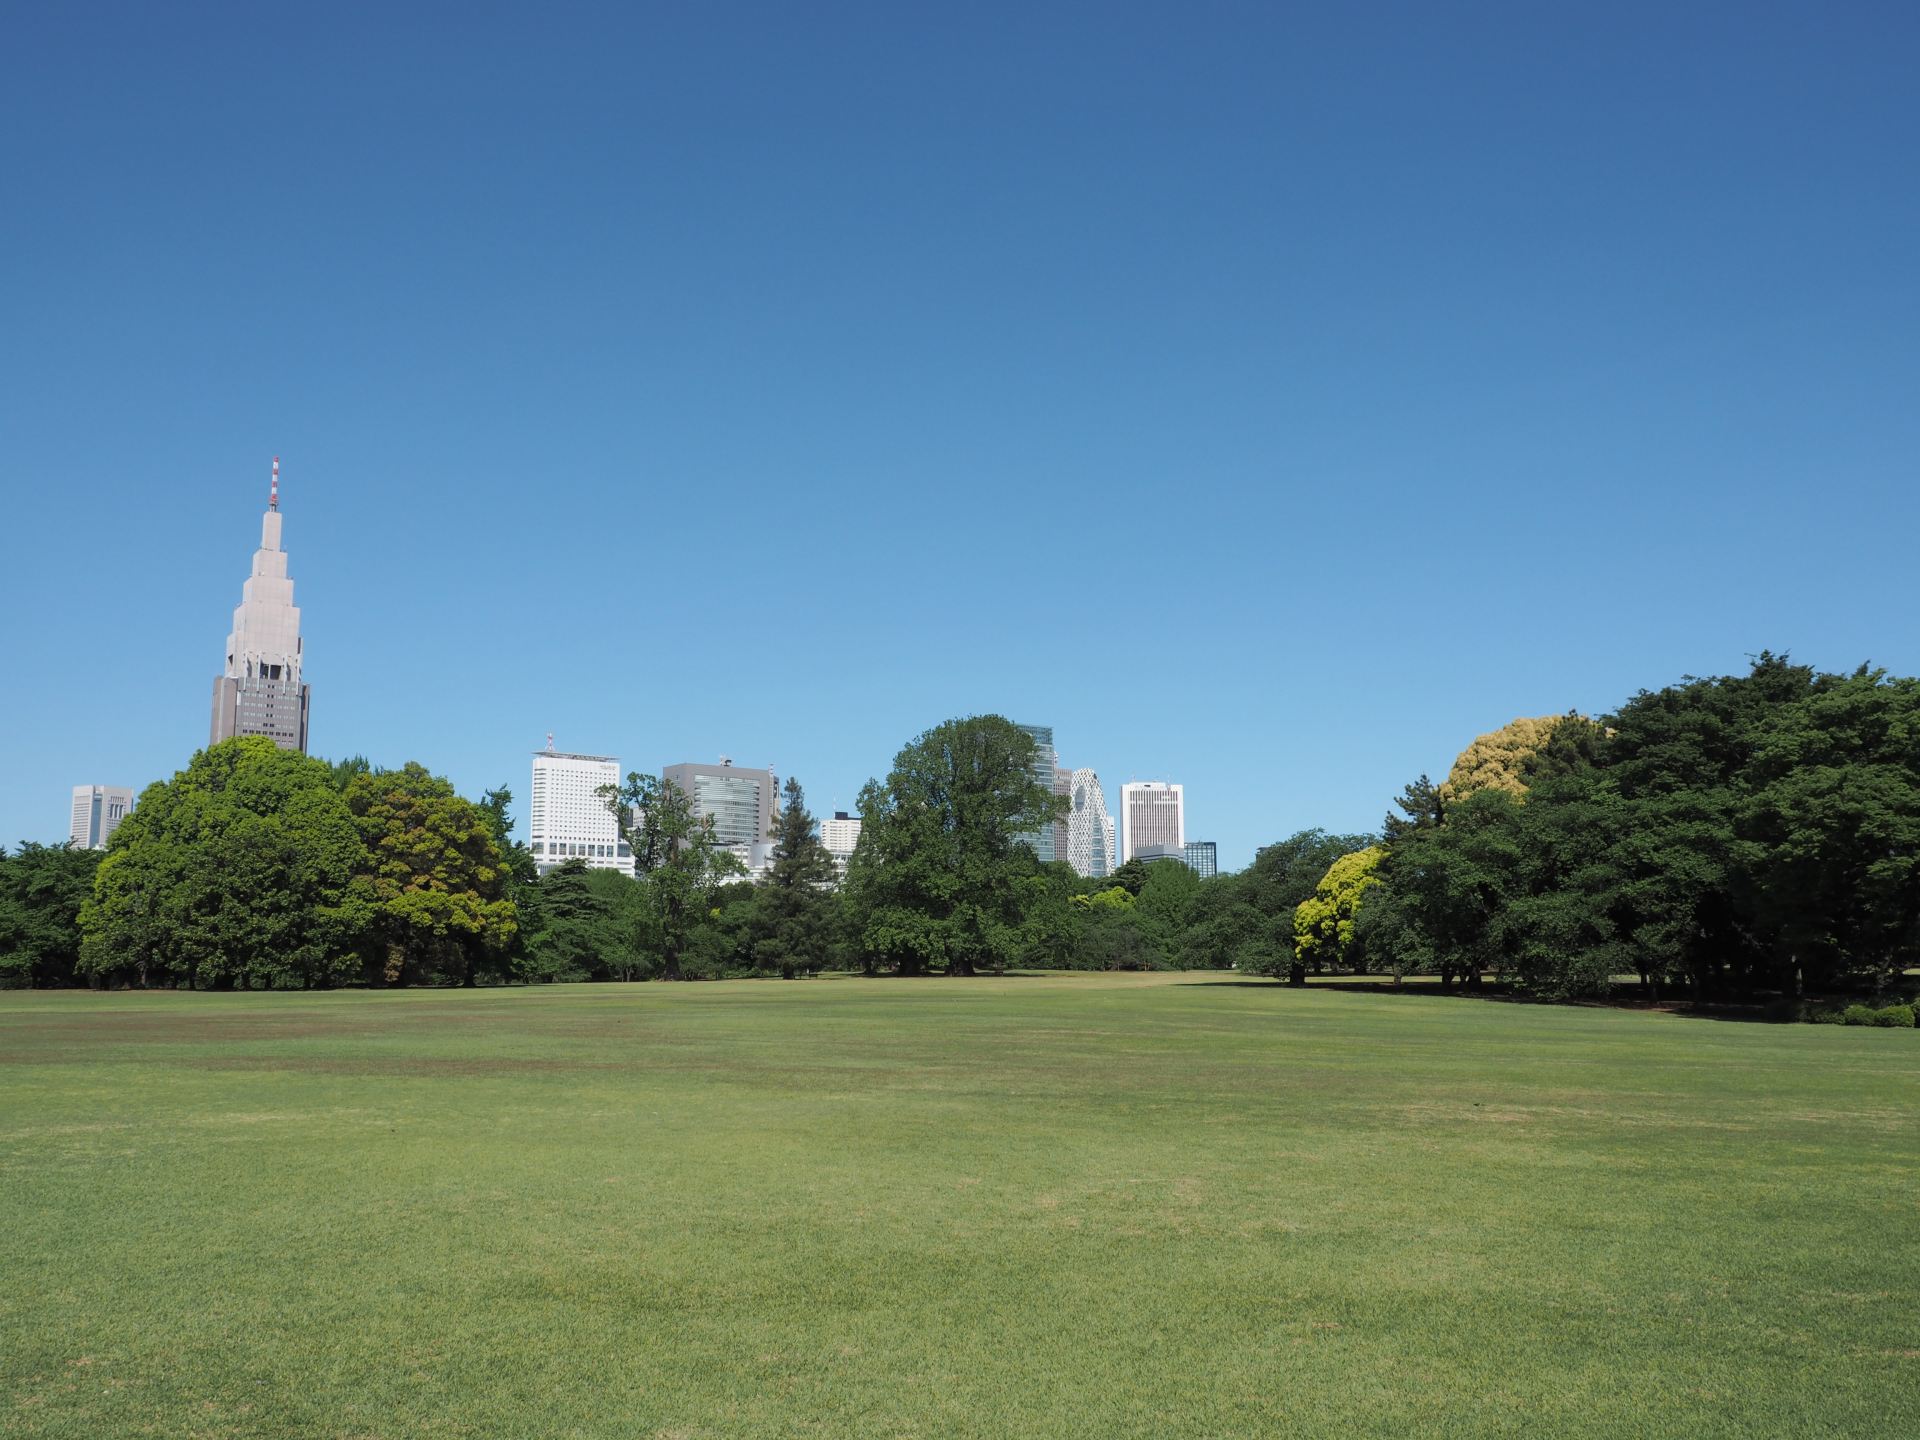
[273, 495]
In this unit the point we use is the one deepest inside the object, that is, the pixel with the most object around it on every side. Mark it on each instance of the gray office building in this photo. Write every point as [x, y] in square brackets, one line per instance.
[97, 813]
[742, 801]
[261, 692]
[1152, 854]
[1203, 858]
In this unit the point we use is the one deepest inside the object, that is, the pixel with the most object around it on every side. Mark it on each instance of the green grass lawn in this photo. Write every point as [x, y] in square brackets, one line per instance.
[1063, 1206]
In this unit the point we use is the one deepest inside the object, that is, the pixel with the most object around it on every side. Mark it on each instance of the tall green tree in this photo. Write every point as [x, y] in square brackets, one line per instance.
[1224, 929]
[1282, 875]
[675, 850]
[1052, 917]
[520, 873]
[1422, 805]
[624, 942]
[238, 871]
[1676, 778]
[1452, 883]
[437, 881]
[940, 876]
[1168, 896]
[562, 925]
[42, 889]
[792, 924]
[1829, 827]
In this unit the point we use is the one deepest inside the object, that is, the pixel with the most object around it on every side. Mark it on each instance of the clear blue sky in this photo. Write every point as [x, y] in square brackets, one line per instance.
[1269, 398]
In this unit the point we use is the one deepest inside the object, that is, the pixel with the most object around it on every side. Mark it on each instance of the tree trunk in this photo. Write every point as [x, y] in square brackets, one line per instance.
[1296, 974]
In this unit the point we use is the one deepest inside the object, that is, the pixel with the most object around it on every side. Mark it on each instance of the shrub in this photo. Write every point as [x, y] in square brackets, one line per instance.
[1889, 1017]
[1824, 1017]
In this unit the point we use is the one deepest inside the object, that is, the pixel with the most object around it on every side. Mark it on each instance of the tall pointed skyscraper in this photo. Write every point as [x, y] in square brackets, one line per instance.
[261, 692]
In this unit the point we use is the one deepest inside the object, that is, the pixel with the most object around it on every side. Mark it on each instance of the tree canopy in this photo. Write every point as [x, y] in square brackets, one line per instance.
[937, 880]
[437, 881]
[239, 871]
[42, 890]
[1323, 923]
[675, 849]
[1742, 834]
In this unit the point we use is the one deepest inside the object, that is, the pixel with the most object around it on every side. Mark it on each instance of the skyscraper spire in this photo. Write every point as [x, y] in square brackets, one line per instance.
[260, 691]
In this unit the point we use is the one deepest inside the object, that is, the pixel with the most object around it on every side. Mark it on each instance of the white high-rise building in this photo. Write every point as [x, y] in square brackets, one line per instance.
[840, 835]
[1152, 812]
[260, 691]
[1089, 827]
[97, 813]
[566, 817]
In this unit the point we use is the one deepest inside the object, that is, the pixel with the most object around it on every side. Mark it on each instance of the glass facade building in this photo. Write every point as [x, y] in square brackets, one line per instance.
[1045, 762]
[742, 801]
[1203, 858]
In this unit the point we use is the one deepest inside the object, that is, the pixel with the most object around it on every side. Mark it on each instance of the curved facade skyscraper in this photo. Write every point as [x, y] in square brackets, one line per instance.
[1089, 829]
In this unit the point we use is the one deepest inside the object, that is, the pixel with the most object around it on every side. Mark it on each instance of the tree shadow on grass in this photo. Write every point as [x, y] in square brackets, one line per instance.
[1770, 1010]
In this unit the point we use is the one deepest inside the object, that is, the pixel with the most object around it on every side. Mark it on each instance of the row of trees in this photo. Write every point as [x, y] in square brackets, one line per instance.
[1736, 835]
[257, 867]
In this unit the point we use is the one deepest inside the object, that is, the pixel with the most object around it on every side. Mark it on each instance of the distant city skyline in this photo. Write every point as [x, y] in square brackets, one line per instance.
[744, 800]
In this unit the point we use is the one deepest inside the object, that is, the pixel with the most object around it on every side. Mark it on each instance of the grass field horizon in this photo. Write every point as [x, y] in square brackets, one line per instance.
[1088, 1205]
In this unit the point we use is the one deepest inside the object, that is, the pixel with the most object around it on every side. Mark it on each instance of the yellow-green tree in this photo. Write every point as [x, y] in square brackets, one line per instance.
[1510, 757]
[1323, 922]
